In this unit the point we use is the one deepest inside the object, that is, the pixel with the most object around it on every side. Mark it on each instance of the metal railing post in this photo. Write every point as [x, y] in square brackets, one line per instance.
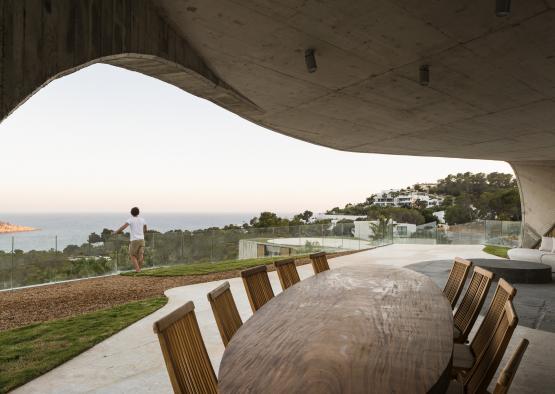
[152, 249]
[182, 244]
[191, 247]
[11, 271]
[322, 234]
[342, 235]
[212, 246]
[116, 243]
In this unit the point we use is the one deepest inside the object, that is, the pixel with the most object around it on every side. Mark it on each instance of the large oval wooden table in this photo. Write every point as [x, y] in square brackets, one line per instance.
[356, 329]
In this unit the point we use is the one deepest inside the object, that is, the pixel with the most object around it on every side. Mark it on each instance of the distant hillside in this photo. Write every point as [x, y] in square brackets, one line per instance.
[466, 197]
[13, 228]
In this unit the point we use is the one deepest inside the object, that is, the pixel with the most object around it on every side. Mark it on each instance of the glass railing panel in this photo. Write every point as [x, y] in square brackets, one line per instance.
[6, 259]
[226, 244]
[40, 259]
[163, 249]
[510, 232]
[34, 259]
[202, 246]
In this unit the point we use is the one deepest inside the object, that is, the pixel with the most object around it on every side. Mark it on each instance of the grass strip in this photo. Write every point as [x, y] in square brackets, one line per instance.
[30, 351]
[499, 251]
[206, 268]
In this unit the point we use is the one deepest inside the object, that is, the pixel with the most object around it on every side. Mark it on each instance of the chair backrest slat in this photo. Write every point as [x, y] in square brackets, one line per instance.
[507, 375]
[472, 302]
[225, 311]
[184, 352]
[287, 272]
[503, 293]
[319, 262]
[456, 280]
[479, 377]
[257, 285]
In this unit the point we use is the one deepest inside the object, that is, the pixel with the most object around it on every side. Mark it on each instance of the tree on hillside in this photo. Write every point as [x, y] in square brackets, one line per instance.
[461, 212]
[106, 234]
[370, 200]
[458, 214]
[498, 180]
[399, 214]
[343, 227]
[268, 219]
[302, 217]
[419, 204]
[447, 202]
[232, 227]
[72, 249]
[94, 238]
[466, 183]
[502, 204]
[380, 228]
[428, 215]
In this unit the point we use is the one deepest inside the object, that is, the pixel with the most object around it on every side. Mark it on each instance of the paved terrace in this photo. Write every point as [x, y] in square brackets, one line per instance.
[131, 361]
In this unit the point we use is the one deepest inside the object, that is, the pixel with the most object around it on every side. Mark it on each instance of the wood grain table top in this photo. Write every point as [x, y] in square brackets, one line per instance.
[356, 329]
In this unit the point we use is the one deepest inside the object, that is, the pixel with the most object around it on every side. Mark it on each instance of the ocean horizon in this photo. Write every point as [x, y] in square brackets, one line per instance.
[74, 228]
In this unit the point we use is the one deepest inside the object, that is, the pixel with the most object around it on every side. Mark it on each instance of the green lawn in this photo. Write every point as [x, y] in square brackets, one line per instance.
[499, 251]
[205, 268]
[30, 351]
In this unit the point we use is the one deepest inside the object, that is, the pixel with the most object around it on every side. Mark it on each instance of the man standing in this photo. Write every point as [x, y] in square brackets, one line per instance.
[137, 226]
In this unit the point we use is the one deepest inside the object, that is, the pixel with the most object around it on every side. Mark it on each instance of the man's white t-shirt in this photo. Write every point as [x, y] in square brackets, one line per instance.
[136, 226]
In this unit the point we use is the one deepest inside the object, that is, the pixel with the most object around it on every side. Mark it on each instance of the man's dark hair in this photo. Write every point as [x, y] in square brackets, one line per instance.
[135, 211]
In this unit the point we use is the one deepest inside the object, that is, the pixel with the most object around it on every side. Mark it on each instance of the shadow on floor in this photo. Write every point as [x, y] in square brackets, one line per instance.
[534, 303]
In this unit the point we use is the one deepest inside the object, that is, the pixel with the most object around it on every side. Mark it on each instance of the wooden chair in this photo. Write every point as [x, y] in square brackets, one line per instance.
[225, 311]
[478, 378]
[287, 272]
[471, 304]
[184, 352]
[507, 375]
[456, 280]
[465, 356]
[319, 262]
[258, 287]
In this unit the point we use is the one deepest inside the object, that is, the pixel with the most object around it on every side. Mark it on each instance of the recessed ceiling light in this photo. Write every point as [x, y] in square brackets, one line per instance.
[310, 60]
[502, 7]
[424, 75]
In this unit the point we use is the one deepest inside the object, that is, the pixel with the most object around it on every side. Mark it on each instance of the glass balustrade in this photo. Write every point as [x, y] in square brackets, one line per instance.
[28, 259]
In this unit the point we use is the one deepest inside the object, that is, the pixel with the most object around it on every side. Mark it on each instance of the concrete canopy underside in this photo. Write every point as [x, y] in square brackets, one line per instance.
[492, 86]
[492, 80]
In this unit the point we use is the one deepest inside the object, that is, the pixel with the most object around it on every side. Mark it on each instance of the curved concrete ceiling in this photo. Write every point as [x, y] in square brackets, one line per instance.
[492, 80]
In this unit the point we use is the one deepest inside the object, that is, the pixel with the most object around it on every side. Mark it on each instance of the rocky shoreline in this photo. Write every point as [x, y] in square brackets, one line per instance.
[14, 228]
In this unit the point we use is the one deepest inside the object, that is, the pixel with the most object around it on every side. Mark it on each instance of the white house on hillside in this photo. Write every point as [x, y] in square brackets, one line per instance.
[396, 198]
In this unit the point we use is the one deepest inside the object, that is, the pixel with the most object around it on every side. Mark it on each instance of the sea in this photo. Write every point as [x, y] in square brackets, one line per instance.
[57, 230]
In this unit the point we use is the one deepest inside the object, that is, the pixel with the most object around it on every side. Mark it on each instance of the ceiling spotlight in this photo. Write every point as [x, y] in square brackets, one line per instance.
[424, 76]
[310, 60]
[502, 7]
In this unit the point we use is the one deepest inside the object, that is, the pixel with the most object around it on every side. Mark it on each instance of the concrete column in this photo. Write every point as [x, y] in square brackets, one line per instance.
[536, 180]
[41, 40]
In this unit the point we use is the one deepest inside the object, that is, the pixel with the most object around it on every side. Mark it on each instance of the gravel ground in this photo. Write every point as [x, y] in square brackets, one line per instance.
[38, 304]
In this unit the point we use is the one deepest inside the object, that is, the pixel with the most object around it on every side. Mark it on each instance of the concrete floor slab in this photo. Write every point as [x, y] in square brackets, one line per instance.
[131, 361]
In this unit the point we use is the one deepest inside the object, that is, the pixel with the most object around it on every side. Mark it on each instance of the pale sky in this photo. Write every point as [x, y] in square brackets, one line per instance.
[105, 139]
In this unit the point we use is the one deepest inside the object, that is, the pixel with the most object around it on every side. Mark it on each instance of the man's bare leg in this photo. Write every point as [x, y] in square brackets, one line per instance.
[141, 258]
[136, 264]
